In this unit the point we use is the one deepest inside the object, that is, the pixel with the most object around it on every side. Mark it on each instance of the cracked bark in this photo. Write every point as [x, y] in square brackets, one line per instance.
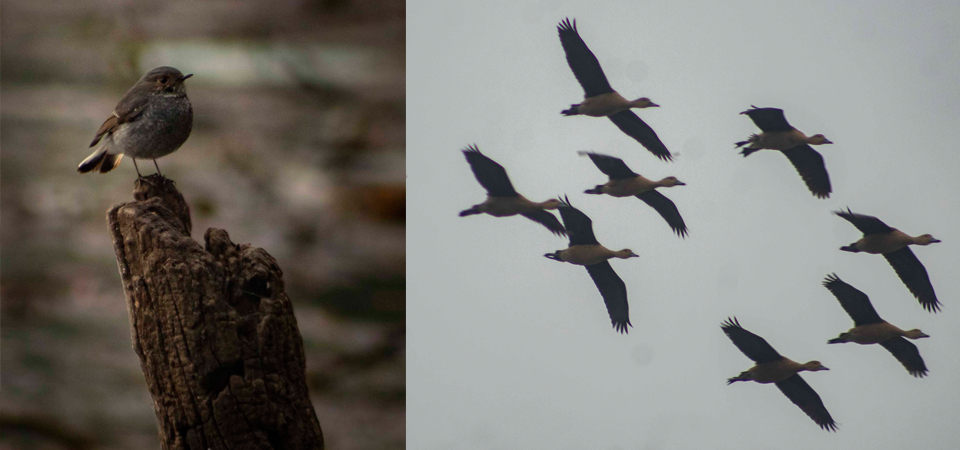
[215, 332]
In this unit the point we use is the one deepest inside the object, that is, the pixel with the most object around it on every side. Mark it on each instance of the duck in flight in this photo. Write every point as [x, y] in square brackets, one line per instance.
[600, 100]
[869, 328]
[626, 183]
[777, 134]
[584, 250]
[773, 368]
[502, 199]
[878, 238]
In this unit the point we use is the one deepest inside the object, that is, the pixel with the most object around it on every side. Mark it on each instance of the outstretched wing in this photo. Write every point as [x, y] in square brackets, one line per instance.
[614, 294]
[810, 165]
[802, 395]
[907, 354]
[582, 61]
[491, 175]
[610, 166]
[768, 119]
[755, 347]
[854, 302]
[866, 224]
[914, 275]
[667, 210]
[546, 219]
[633, 126]
[579, 226]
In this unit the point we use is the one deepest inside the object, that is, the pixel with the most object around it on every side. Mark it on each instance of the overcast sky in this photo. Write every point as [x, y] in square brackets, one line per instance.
[510, 350]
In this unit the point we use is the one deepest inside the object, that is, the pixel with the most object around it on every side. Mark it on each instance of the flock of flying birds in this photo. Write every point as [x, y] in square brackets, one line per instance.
[600, 100]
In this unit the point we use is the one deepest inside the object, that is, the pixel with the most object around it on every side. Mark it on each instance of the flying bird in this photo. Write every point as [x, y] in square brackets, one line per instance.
[625, 183]
[878, 238]
[502, 199]
[869, 328]
[773, 368]
[600, 100]
[584, 250]
[777, 134]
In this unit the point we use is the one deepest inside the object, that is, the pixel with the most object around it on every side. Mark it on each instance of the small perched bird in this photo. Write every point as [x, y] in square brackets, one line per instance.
[777, 134]
[600, 100]
[584, 250]
[502, 199]
[869, 328]
[626, 183]
[153, 119]
[773, 368]
[878, 238]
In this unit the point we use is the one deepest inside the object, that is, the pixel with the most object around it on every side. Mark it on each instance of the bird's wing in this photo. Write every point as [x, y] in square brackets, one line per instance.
[768, 119]
[633, 126]
[810, 165]
[866, 224]
[667, 210]
[128, 109]
[755, 347]
[582, 61]
[802, 395]
[579, 226]
[614, 294]
[907, 354]
[914, 275]
[854, 302]
[491, 175]
[546, 219]
[611, 166]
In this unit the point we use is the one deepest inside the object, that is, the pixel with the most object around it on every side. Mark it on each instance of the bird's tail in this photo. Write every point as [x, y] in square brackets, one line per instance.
[596, 190]
[100, 161]
[753, 138]
[744, 376]
[839, 340]
[571, 112]
[850, 248]
[470, 212]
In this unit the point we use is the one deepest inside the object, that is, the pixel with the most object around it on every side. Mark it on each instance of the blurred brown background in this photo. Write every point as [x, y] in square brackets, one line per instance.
[297, 147]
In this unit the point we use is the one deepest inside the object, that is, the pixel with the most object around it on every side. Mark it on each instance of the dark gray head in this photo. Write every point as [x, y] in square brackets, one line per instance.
[166, 80]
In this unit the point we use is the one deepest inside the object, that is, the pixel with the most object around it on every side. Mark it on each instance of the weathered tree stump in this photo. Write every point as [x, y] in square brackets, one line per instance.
[215, 332]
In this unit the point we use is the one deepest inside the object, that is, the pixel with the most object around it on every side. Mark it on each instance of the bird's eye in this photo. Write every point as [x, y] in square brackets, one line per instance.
[163, 80]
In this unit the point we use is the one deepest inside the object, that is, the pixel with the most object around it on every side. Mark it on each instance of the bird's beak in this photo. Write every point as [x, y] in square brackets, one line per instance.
[923, 335]
[680, 183]
[186, 76]
[633, 255]
[934, 240]
[652, 105]
[825, 367]
[827, 141]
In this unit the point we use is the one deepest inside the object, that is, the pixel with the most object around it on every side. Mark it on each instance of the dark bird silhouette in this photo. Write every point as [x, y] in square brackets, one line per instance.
[878, 238]
[777, 134]
[584, 250]
[502, 199]
[785, 373]
[600, 100]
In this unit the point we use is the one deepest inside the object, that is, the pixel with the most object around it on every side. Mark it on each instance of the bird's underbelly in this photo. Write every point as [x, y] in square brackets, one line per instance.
[626, 187]
[505, 206]
[781, 140]
[603, 105]
[153, 135]
[586, 255]
[772, 372]
[880, 243]
[873, 333]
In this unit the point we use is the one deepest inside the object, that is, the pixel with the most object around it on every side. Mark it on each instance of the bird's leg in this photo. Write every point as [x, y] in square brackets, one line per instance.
[135, 167]
[158, 168]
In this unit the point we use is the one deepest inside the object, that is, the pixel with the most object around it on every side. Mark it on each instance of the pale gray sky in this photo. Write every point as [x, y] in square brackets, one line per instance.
[509, 350]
